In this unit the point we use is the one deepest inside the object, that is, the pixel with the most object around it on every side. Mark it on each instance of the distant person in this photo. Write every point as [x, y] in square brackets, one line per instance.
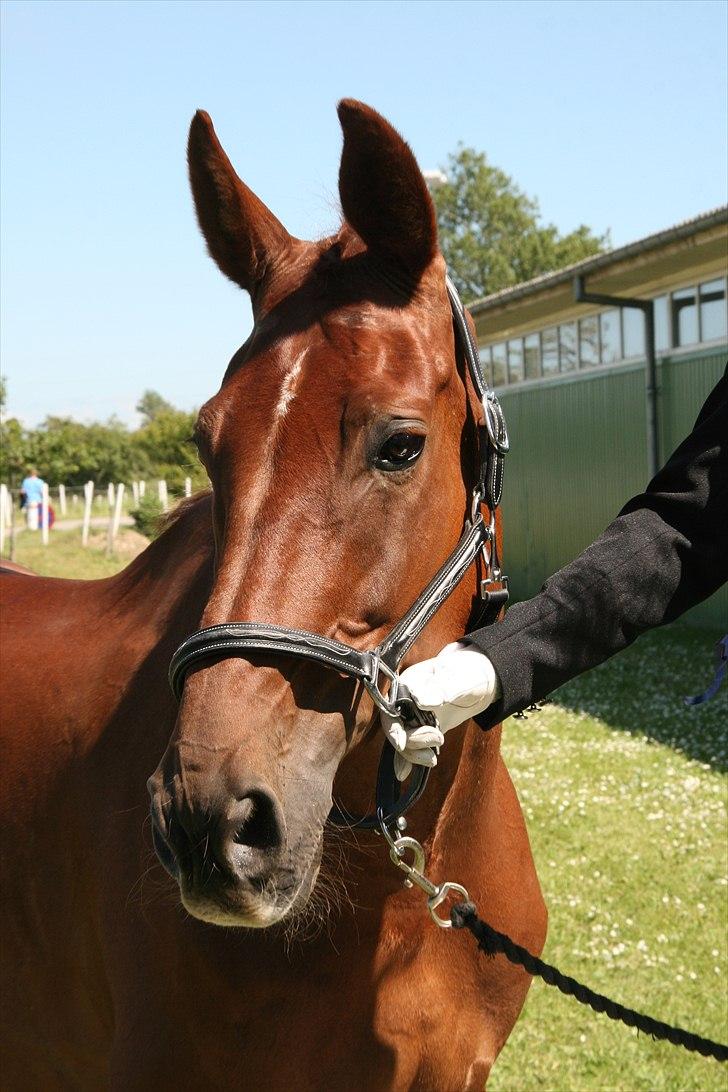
[32, 489]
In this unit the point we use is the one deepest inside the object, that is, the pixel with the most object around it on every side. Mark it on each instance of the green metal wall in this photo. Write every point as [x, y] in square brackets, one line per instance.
[579, 452]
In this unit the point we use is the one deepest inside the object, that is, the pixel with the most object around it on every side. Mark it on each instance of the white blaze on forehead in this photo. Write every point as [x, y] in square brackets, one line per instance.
[288, 389]
[258, 481]
[259, 487]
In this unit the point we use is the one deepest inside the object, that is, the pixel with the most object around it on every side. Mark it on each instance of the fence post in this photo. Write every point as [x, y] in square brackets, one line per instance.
[163, 496]
[44, 520]
[88, 496]
[3, 514]
[62, 499]
[135, 493]
[110, 492]
[115, 517]
[188, 487]
[11, 523]
[142, 489]
[74, 499]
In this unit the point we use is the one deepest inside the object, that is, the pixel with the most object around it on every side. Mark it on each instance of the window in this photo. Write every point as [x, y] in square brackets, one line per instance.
[713, 317]
[567, 346]
[662, 324]
[684, 317]
[550, 351]
[589, 341]
[499, 364]
[485, 365]
[532, 356]
[633, 331]
[609, 327]
[515, 361]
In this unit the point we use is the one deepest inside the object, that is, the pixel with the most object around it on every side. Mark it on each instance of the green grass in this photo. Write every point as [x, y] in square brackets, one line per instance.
[623, 791]
[65, 556]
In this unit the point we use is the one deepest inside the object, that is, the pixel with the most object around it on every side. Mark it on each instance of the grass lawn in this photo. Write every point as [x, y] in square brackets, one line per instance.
[623, 788]
[624, 792]
[65, 556]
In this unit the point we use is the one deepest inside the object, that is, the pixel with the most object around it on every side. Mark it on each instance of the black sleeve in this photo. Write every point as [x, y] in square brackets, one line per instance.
[666, 551]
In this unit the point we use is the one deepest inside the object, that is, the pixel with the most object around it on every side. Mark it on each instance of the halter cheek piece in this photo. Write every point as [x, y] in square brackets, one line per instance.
[377, 668]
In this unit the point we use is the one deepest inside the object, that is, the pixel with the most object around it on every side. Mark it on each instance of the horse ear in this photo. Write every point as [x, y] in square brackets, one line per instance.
[383, 194]
[242, 235]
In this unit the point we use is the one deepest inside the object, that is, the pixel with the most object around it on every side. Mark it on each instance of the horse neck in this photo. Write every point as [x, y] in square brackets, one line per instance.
[462, 781]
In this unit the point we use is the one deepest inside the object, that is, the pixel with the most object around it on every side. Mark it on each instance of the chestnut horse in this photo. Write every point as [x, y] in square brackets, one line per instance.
[340, 448]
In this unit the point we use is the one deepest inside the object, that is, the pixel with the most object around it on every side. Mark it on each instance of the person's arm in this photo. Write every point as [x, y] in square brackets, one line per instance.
[665, 552]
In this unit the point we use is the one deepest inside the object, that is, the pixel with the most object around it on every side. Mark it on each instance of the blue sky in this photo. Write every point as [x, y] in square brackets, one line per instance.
[611, 114]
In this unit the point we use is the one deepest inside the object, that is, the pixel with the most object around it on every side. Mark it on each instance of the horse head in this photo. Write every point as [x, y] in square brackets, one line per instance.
[341, 451]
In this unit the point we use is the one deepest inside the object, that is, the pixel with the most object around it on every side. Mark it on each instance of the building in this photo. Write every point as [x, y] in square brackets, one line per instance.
[572, 379]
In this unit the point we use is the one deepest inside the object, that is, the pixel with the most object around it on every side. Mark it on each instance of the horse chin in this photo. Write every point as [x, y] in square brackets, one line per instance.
[256, 913]
[249, 909]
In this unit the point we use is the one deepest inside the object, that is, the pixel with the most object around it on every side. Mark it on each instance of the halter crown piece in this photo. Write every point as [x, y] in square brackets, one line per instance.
[377, 668]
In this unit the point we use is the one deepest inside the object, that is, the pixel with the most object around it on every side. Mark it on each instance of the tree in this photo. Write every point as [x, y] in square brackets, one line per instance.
[490, 232]
[13, 452]
[165, 444]
[151, 404]
[67, 451]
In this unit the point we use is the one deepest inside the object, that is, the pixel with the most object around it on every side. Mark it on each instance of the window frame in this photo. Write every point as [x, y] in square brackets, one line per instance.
[712, 340]
[581, 366]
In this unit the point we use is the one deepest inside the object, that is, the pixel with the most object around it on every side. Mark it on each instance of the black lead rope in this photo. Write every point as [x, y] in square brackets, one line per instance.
[464, 916]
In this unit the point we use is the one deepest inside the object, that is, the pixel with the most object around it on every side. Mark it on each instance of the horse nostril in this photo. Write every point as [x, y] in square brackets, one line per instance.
[257, 822]
[206, 846]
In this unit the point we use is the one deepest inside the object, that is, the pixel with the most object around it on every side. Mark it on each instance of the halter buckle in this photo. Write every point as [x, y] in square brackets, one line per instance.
[495, 424]
[475, 513]
[386, 703]
[495, 597]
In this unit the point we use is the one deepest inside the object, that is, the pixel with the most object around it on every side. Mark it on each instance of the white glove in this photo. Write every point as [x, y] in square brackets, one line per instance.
[455, 685]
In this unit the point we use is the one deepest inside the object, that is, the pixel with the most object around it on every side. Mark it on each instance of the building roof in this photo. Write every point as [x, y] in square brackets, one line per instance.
[599, 262]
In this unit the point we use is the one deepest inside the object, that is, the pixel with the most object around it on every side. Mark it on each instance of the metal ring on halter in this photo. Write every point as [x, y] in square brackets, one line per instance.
[495, 424]
[386, 703]
[475, 513]
[434, 901]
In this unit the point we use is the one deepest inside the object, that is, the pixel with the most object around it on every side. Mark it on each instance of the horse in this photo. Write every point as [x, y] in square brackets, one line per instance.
[224, 932]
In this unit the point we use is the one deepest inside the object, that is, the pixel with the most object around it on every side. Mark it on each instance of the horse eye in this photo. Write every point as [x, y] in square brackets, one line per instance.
[399, 451]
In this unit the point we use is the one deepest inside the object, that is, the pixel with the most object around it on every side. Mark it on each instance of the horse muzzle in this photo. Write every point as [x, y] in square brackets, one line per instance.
[231, 857]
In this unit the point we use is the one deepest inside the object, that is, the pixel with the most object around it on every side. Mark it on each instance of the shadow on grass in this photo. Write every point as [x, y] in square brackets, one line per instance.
[641, 691]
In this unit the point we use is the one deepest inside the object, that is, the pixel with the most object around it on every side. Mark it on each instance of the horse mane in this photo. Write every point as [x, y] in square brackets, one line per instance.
[168, 519]
[184, 533]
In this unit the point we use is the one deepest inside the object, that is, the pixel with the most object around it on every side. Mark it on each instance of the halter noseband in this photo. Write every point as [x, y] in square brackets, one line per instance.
[377, 668]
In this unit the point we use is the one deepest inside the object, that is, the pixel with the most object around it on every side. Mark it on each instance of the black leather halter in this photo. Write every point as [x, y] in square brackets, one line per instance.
[376, 668]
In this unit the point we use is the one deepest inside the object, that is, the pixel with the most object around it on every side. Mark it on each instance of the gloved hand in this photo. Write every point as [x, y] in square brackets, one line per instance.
[455, 685]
